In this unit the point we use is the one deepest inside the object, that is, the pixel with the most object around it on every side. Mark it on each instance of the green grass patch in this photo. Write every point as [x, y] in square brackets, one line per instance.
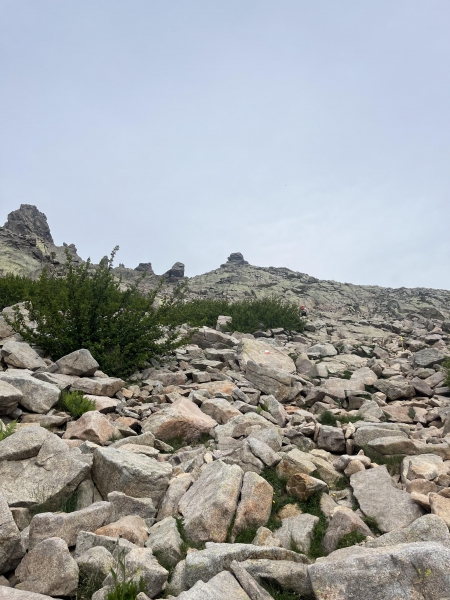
[350, 539]
[372, 525]
[278, 593]
[87, 586]
[328, 418]
[411, 413]
[67, 504]
[346, 375]
[125, 588]
[342, 483]
[246, 536]
[310, 506]
[75, 403]
[392, 461]
[7, 430]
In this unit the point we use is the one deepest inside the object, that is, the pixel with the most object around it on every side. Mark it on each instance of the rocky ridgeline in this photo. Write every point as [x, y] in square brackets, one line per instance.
[26, 246]
[184, 471]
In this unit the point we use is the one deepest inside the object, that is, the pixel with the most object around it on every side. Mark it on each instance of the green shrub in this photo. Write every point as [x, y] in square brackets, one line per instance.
[15, 288]
[278, 593]
[7, 430]
[88, 309]
[249, 315]
[124, 588]
[350, 539]
[75, 403]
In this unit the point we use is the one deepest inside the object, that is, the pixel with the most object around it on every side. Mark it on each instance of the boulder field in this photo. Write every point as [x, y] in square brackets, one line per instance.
[315, 463]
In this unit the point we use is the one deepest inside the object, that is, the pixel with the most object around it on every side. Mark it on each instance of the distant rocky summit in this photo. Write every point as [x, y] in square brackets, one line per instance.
[26, 246]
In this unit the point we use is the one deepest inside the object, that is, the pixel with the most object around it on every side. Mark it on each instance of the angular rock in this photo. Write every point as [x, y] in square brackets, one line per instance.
[165, 542]
[210, 503]
[296, 532]
[176, 490]
[402, 572]
[92, 426]
[182, 419]
[10, 397]
[264, 354]
[22, 356]
[132, 474]
[395, 389]
[303, 486]
[123, 505]
[12, 548]
[80, 363]
[140, 562]
[343, 522]
[221, 587]
[248, 584]
[37, 396]
[276, 382]
[220, 410]
[131, 528]
[428, 357]
[24, 443]
[98, 386]
[67, 526]
[46, 478]
[429, 528]
[440, 506]
[364, 435]
[255, 504]
[379, 499]
[263, 451]
[321, 350]
[331, 439]
[7, 593]
[116, 546]
[48, 569]
[95, 563]
[283, 573]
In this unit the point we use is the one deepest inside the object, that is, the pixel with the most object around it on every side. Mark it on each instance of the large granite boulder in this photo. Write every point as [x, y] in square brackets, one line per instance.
[22, 356]
[37, 396]
[264, 354]
[80, 363]
[281, 384]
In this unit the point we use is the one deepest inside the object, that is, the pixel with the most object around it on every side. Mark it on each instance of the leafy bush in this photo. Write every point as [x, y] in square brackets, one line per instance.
[14, 288]
[7, 430]
[249, 315]
[75, 403]
[327, 418]
[88, 309]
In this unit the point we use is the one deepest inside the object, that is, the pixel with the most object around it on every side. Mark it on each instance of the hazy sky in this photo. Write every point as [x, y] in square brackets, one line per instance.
[308, 134]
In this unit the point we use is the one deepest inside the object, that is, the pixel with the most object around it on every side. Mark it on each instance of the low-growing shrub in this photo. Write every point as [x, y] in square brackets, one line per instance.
[75, 403]
[328, 418]
[7, 430]
[125, 588]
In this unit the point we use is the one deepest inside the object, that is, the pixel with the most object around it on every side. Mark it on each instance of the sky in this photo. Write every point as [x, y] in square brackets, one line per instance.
[304, 134]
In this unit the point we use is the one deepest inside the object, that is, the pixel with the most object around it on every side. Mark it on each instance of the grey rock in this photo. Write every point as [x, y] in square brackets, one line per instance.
[395, 389]
[364, 435]
[95, 563]
[255, 504]
[11, 547]
[250, 586]
[286, 574]
[296, 532]
[428, 357]
[47, 478]
[37, 396]
[342, 523]
[123, 505]
[10, 397]
[403, 572]
[48, 569]
[98, 386]
[165, 542]
[80, 363]
[140, 562]
[133, 474]
[67, 526]
[276, 382]
[379, 499]
[203, 565]
[429, 528]
[321, 350]
[263, 451]
[264, 354]
[210, 503]
[331, 439]
[21, 355]
[7, 593]
[87, 540]
[176, 490]
[221, 587]
[24, 443]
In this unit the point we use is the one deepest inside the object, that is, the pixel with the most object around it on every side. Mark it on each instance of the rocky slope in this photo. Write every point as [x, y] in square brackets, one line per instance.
[26, 245]
[315, 463]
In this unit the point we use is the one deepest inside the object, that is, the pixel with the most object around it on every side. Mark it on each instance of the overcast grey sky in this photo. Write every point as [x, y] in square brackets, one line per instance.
[308, 134]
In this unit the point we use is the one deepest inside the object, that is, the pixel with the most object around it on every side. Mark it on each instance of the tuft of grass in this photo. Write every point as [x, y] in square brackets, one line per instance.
[278, 593]
[411, 413]
[186, 543]
[372, 525]
[350, 539]
[327, 418]
[75, 403]
[310, 506]
[87, 586]
[346, 375]
[68, 504]
[342, 483]
[246, 536]
[7, 430]
[392, 461]
[124, 588]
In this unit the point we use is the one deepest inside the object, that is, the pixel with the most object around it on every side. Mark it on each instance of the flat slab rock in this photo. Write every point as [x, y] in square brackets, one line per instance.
[379, 499]
[7, 593]
[403, 572]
